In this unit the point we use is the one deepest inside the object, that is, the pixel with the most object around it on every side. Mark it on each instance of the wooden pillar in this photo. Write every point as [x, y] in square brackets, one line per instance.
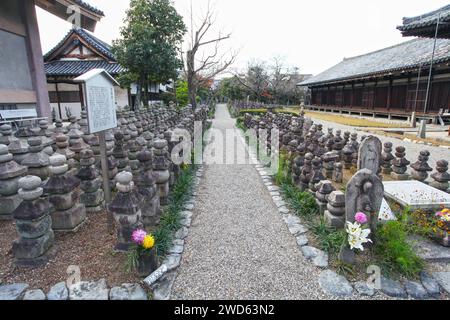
[80, 90]
[374, 96]
[58, 98]
[130, 101]
[388, 103]
[35, 58]
[352, 96]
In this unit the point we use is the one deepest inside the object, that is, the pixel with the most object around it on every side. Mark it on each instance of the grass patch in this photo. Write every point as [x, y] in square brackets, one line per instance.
[393, 253]
[329, 238]
[170, 218]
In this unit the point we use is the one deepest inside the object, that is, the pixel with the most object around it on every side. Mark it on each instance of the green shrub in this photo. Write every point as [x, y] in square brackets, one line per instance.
[329, 238]
[394, 253]
[303, 203]
[170, 218]
[283, 172]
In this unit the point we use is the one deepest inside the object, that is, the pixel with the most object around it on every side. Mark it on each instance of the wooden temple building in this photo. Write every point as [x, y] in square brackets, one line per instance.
[394, 81]
[23, 84]
[77, 53]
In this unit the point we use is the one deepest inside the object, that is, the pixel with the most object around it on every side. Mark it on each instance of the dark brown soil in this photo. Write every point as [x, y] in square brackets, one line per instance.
[91, 248]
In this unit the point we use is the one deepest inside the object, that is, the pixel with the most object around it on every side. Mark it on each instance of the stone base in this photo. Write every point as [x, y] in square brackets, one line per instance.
[97, 209]
[68, 220]
[322, 206]
[347, 255]
[334, 221]
[8, 205]
[151, 212]
[443, 186]
[400, 177]
[29, 251]
[93, 199]
[163, 192]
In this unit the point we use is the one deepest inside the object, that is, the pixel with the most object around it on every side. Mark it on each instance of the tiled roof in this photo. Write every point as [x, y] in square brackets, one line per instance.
[78, 67]
[87, 6]
[95, 42]
[407, 55]
[426, 20]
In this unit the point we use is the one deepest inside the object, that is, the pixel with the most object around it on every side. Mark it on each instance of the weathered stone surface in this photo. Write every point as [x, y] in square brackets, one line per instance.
[186, 222]
[176, 249]
[163, 288]
[302, 240]
[416, 290]
[28, 249]
[297, 229]
[430, 284]
[283, 210]
[155, 276]
[429, 250]
[128, 291]
[443, 278]
[318, 257]
[280, 203]
[89, 291]
[182, 233]
[12, 291]
[69, 220]
[393, 288]
[58, 292]
[186, 214]
[334, 284]
[34, 295]
[172, 261]
[363, 289]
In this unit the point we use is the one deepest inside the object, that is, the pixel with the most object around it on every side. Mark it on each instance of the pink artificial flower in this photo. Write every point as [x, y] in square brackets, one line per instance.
[138, 236]
[361, 218]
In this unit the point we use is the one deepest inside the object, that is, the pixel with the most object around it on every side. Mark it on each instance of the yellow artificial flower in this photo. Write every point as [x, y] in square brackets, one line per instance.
[445, 211]
[149, 242]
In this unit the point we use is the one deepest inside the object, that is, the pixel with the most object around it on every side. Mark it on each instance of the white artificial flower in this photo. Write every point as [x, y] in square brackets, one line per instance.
[354, 228]
[357, 236]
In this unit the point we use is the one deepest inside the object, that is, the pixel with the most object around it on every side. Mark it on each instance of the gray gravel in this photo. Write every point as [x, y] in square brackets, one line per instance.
[238, 245]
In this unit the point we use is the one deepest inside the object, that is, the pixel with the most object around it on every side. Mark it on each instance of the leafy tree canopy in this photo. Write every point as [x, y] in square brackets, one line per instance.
[150, 39]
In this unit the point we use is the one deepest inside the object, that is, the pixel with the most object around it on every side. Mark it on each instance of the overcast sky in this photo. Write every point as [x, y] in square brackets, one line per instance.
[312, 35]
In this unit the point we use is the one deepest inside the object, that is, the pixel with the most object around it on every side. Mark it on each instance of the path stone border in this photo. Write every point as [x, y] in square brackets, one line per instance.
[161, 281]
[429, 287]
[161, 285]
[85, 290]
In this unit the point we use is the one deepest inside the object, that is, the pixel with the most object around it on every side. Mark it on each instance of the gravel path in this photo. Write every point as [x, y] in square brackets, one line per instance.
[412, 149]
[238, 246]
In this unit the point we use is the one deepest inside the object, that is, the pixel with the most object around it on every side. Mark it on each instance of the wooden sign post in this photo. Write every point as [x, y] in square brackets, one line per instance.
[98, 90]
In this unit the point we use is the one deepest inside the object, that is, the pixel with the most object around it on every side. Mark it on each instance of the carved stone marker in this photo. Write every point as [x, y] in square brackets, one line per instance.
[364, 194]
[33, 223]
[126, 210]
[10, 174]
[369, 154]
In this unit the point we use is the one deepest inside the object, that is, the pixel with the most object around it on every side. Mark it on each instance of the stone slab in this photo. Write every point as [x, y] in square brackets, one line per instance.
[443, 278]
[416, 195]
[429, 250]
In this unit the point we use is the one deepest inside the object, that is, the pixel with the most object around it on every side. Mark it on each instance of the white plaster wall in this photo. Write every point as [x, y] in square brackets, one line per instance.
[121, 96]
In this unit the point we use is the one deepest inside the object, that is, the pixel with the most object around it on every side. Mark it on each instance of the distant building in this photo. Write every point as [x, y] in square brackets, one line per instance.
[392, 81]
[79, 52]
[23, 82]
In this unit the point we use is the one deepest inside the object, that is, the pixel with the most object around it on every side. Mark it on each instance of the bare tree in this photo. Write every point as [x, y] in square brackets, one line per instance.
[256, 79]
[200, 71]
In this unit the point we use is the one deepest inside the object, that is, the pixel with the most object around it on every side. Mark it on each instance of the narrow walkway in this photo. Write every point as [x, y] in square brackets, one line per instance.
[238, 246]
